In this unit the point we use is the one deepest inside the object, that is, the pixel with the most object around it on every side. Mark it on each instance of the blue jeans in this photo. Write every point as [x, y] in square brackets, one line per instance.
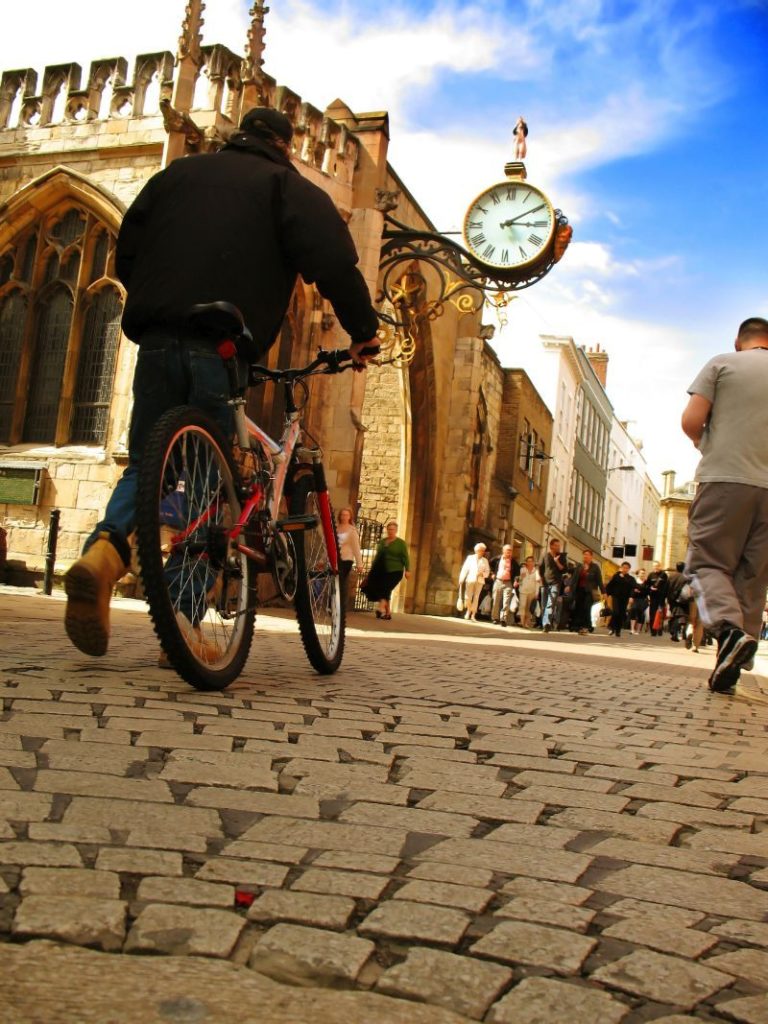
[170, 371]
[551, 601]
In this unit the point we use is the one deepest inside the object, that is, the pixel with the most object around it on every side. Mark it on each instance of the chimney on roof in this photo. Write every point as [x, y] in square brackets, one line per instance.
[599, 362]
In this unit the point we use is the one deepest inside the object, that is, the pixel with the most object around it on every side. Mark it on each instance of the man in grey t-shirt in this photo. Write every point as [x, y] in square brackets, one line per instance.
[727, 419]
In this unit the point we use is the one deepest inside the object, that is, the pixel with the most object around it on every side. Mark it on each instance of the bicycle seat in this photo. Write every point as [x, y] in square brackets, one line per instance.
[217, 321]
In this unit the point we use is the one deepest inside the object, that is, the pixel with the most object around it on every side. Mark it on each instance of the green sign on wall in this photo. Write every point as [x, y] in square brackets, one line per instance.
[20, 483]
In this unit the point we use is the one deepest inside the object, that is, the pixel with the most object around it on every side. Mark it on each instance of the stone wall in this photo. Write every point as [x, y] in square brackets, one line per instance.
[384, 415]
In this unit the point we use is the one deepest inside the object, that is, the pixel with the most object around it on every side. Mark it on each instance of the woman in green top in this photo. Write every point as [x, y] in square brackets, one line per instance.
[389, 566]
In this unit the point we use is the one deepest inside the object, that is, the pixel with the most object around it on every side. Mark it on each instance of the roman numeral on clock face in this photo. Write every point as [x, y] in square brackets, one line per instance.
[482, 209]
[534, 239]
[495, 198]
[477, 240]
[476, 224]
[511, 192]
[522, 252]
[488, 252]
[505, 255]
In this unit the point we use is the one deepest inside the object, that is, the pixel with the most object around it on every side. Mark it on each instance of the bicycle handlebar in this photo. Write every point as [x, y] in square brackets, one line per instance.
[334, 361]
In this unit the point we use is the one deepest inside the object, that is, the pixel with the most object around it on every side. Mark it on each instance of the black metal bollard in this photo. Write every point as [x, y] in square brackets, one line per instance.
[50, 551]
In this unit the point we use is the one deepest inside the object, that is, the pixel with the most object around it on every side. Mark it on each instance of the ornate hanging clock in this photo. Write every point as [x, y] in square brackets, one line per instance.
[512, 230]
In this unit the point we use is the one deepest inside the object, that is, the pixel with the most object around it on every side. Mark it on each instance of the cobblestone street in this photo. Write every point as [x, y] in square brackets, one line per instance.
[465, 823]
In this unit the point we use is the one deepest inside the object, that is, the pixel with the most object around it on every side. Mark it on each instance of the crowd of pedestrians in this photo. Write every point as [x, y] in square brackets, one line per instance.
[561, 594]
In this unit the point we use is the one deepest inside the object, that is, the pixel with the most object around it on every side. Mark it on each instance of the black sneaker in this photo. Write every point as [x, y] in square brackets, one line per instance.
[735, 648]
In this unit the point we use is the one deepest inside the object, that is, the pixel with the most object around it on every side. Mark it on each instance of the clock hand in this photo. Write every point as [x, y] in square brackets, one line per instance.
[525, 213]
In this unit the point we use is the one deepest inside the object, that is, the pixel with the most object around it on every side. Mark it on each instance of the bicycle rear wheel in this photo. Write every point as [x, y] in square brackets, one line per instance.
[319, 599]
[198, 586]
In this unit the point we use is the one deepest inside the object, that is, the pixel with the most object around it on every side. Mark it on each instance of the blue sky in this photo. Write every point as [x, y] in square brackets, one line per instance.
[647, 127]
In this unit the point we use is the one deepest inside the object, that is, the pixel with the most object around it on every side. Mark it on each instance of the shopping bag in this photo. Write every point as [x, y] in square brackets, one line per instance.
[658, 621]
[460, 603]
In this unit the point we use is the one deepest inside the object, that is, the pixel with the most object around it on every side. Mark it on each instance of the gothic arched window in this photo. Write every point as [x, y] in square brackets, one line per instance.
[59, 331]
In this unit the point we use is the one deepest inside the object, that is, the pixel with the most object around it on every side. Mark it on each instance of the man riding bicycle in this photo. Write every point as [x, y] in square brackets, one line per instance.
[237, 226]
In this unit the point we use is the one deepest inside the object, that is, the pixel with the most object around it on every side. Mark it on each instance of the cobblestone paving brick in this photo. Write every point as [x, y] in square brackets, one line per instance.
[750, 964]
[40, 854]
[242, 872]
[224, 797]
[342, 883]
[83, 920]
[516, 942]
[550, 779]
[711, 895]
[542, 836]
[327, 835]
[455, 784]
[21, 806]
[184, 931]
[70, 882]
[120, 814]
[52, 830]
[399, 919]
[749, 1010]
[321, 911]
[484, 807]
[92, 784]
[743, 932]
[552, 891]
[509, 859]
[185, 890]
[478, 877]
[543, 911]
[456, 982]
[410, 819]
[675, 916]
[666, 979]
[697, 816]
[301, 955]
[665, 856]
[658, 934]
[729, 841]
[246, 771]
[139, 862]
[281, 854]
[156, 838]
[547, 1001]
[465, 897]
[644, 830]
[356, 862]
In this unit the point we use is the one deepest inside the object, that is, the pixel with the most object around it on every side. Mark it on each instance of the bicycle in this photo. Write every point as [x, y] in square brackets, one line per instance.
[213, 515]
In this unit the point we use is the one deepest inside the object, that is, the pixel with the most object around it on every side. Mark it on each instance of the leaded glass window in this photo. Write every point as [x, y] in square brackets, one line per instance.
[70, 330]
[50, 351]
[96, 369]
[13, 316]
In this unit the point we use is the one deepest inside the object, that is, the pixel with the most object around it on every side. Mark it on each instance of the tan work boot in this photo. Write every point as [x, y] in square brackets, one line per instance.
[88, 585]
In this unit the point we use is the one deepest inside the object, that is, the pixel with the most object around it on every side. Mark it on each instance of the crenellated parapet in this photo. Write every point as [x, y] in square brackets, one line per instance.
[222, 86]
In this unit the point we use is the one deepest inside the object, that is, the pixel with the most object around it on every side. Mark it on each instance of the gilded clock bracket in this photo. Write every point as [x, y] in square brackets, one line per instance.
[461, 279]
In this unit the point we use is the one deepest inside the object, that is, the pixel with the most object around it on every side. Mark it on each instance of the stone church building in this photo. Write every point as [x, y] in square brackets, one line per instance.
[413, 440]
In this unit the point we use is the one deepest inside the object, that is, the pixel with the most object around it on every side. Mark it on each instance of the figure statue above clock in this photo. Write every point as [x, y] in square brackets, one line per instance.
[520, 131]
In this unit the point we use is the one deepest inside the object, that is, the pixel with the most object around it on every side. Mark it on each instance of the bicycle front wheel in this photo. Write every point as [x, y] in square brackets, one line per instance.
[319, 598]
[198, 585]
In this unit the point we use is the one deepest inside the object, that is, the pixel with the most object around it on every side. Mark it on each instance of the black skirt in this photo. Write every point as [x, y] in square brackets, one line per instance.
[380, 584]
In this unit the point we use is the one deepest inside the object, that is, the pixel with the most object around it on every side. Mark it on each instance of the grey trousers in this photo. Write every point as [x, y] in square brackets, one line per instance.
[728, 555]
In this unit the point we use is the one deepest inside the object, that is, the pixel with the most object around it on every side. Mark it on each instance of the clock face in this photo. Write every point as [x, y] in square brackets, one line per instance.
[509, 226]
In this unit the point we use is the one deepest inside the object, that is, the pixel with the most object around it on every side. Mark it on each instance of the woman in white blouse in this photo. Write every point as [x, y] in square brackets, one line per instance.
[474, 573]
[349, 544]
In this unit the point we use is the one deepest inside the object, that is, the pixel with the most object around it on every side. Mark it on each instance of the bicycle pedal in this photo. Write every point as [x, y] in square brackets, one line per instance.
[295, 523]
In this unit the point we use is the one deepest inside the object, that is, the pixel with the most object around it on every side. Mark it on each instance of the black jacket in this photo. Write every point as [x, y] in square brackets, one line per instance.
[514, 568]
[620, 588]
[594, 581]
[656, 585]
[238, 225]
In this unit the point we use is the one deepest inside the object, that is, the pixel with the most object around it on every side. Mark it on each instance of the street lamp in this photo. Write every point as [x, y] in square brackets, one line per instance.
[624, 469]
